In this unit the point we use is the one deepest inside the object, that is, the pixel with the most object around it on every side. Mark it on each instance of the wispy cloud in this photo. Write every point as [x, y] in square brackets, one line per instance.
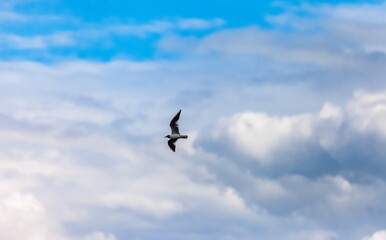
[196, 23]
[165, 26]
[8, 16]
[83, 34]
[13, 41]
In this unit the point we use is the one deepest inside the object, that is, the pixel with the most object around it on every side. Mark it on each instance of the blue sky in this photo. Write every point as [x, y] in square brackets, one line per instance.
[284, 104]
[82, 19]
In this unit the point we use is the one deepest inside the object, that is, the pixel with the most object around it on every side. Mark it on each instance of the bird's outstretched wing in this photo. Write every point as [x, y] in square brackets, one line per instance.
[174, 124]
[172, 144]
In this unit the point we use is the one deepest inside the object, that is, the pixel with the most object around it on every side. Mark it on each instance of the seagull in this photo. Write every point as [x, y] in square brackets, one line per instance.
[175, 132]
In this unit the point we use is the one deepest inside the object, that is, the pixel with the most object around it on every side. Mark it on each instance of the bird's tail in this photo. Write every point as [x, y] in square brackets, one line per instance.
[184, 136]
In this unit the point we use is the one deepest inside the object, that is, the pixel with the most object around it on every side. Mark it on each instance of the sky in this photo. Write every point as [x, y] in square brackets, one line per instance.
[284, 103]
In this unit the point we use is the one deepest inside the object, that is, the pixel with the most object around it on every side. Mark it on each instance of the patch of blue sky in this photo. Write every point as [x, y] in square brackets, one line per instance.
[105, 30]
[236, 13]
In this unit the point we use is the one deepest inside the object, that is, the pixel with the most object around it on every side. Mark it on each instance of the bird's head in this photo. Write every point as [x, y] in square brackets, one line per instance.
[167, 136]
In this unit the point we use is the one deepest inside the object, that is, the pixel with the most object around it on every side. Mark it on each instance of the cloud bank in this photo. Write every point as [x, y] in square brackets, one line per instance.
[286, 130]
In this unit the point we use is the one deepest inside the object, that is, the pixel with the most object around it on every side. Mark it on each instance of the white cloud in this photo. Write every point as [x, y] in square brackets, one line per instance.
[161, 27]
[362, 22]
[261, 136]
[82, 145]
[99, 236]
[18, 42]
[173, 43]
[86, 35]
[9, 16]
[314, 235]
[196, 23]
[76, 144]
[85, 162]
[368, 111]
[141, 29]
[299, 49]
[23, 215]
[356, 13]
[13, 41]
[379, 235]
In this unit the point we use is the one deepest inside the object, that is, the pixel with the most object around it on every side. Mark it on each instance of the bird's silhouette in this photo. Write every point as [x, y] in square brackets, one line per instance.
[175, 132]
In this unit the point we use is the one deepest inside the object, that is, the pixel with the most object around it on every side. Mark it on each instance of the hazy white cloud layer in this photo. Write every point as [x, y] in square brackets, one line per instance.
[286, 135]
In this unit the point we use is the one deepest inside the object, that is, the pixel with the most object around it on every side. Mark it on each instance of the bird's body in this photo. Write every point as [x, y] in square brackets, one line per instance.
[177, 136]
[175, 132]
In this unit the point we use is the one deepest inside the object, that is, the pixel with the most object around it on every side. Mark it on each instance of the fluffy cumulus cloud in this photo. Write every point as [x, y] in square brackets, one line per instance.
[318, 162]
[262, 136]
[286, 135]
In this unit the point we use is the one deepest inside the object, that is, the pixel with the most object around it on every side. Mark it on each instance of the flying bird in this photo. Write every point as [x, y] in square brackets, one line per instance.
[175, 132]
